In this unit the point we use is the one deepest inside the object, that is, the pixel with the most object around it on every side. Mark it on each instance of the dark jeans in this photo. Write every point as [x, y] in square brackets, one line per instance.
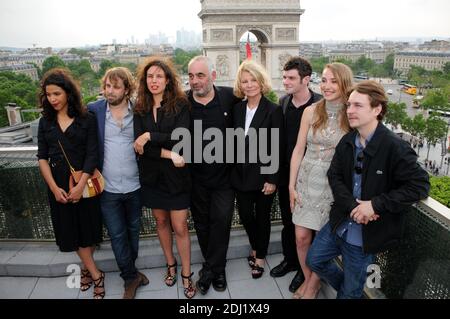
[288, 231]
[212, 211]
[254, 210]
[348, 283]
[122, 217]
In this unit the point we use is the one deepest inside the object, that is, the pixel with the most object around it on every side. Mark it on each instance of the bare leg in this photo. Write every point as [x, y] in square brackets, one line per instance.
[87, 259]
[183, 240]
[164, 230]
[303, 237]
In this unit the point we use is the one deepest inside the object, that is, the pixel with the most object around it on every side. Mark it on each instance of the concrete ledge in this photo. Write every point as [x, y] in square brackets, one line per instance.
[19, 259]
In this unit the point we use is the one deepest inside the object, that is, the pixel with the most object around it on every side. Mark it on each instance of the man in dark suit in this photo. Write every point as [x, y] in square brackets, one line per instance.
[212, 198]
[120, 202]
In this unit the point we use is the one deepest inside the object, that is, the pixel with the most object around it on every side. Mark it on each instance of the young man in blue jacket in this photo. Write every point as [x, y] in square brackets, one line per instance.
[120, 202]
[375, 178]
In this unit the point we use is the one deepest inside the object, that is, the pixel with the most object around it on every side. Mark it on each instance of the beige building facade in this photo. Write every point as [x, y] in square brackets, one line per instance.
[275, 23]
[425, 59]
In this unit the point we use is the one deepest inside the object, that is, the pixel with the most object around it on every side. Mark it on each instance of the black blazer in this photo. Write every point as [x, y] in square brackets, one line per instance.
[79, 142]
[247, 176]
[155, 171]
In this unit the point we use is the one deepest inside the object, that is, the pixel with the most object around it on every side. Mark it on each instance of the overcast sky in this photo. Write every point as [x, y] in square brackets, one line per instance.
[64, 23]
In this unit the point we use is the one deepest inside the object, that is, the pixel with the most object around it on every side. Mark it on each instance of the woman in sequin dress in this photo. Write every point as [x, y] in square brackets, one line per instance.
[322, 126]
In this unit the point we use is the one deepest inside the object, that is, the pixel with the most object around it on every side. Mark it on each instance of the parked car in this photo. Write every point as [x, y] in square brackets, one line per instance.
[389, 91]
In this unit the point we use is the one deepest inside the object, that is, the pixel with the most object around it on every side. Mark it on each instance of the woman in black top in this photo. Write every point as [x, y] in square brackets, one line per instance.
[76, 221]
[254, 182]
[162, 107]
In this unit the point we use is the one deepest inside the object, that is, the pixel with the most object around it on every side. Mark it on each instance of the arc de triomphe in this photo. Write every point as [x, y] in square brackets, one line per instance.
[275, 23]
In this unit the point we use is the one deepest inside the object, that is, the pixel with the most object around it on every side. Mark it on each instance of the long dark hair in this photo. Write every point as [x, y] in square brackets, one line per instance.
[173, 95]
[63, 79]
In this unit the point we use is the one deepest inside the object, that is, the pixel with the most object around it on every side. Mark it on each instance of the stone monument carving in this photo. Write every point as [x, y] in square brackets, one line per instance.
[275, 23]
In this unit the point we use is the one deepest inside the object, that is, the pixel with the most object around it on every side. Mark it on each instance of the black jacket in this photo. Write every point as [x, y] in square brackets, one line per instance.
[391, 178]
[79, 142]
[155, 171]
[247, 176]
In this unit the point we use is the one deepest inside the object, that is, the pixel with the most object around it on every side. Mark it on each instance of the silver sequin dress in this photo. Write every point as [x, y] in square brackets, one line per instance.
[312, 181]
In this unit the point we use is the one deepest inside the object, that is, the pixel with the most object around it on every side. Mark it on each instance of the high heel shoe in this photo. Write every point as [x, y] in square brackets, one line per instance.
[85, 280]
[190, 290]
[170, 279]
[99, 283]
[257, 271]
[251, 261]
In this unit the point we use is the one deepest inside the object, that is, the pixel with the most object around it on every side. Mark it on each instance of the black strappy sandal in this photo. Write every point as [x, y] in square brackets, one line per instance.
[190, 290]
[257, 271]
[170, 279]
[85, 280]
[251, 261]
[99, 283]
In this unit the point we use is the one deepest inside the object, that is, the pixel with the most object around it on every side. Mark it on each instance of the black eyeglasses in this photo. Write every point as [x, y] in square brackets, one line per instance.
[359, 160]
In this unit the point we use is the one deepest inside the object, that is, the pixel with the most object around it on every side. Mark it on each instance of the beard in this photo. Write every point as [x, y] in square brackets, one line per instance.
[114, 100]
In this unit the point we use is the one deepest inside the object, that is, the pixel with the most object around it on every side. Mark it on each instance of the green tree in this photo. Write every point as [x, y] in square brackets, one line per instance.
[318, 64]
[388, 64]
[446, 68]
[105, 65]
[181, 58]
[19, 89]
[415, 126]
[396, 114]
[440, 189]
[52, 62]
[80, 52]
[363, 65]
[435, 129]
[272, 96]
[437, 99]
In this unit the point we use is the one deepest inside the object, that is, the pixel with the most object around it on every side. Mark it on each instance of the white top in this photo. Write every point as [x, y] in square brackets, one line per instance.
[249, 117]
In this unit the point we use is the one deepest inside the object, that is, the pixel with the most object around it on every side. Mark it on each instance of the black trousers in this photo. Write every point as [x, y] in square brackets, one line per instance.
[288, 231]
[212, 211]
[254, 210]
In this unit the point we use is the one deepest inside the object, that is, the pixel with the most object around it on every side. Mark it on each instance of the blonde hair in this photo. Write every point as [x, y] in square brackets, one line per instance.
[344, 79]
[258, 72]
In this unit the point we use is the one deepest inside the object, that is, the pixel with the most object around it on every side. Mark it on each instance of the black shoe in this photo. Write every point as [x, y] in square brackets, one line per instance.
[204, 282]
[282, 269]
[297, 281]
[220, 282]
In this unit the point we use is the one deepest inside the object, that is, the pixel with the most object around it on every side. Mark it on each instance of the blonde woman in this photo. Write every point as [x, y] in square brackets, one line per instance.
[322, 126]
[254, 190]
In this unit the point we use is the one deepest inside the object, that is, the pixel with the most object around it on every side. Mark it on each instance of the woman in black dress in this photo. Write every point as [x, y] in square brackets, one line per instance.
[162, 107]
[76, 221]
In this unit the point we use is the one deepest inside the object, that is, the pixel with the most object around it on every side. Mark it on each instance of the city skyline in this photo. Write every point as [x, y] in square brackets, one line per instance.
[47, 22]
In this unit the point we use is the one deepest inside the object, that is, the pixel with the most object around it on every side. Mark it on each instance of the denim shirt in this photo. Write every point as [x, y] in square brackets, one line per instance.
[120, 168]
[349, 230]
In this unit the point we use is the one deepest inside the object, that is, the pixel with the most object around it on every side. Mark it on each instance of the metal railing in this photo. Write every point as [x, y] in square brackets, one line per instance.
[418, 268]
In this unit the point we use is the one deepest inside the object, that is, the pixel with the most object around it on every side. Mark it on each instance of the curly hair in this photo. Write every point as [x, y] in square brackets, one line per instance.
[173, 96]
[63, 79]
